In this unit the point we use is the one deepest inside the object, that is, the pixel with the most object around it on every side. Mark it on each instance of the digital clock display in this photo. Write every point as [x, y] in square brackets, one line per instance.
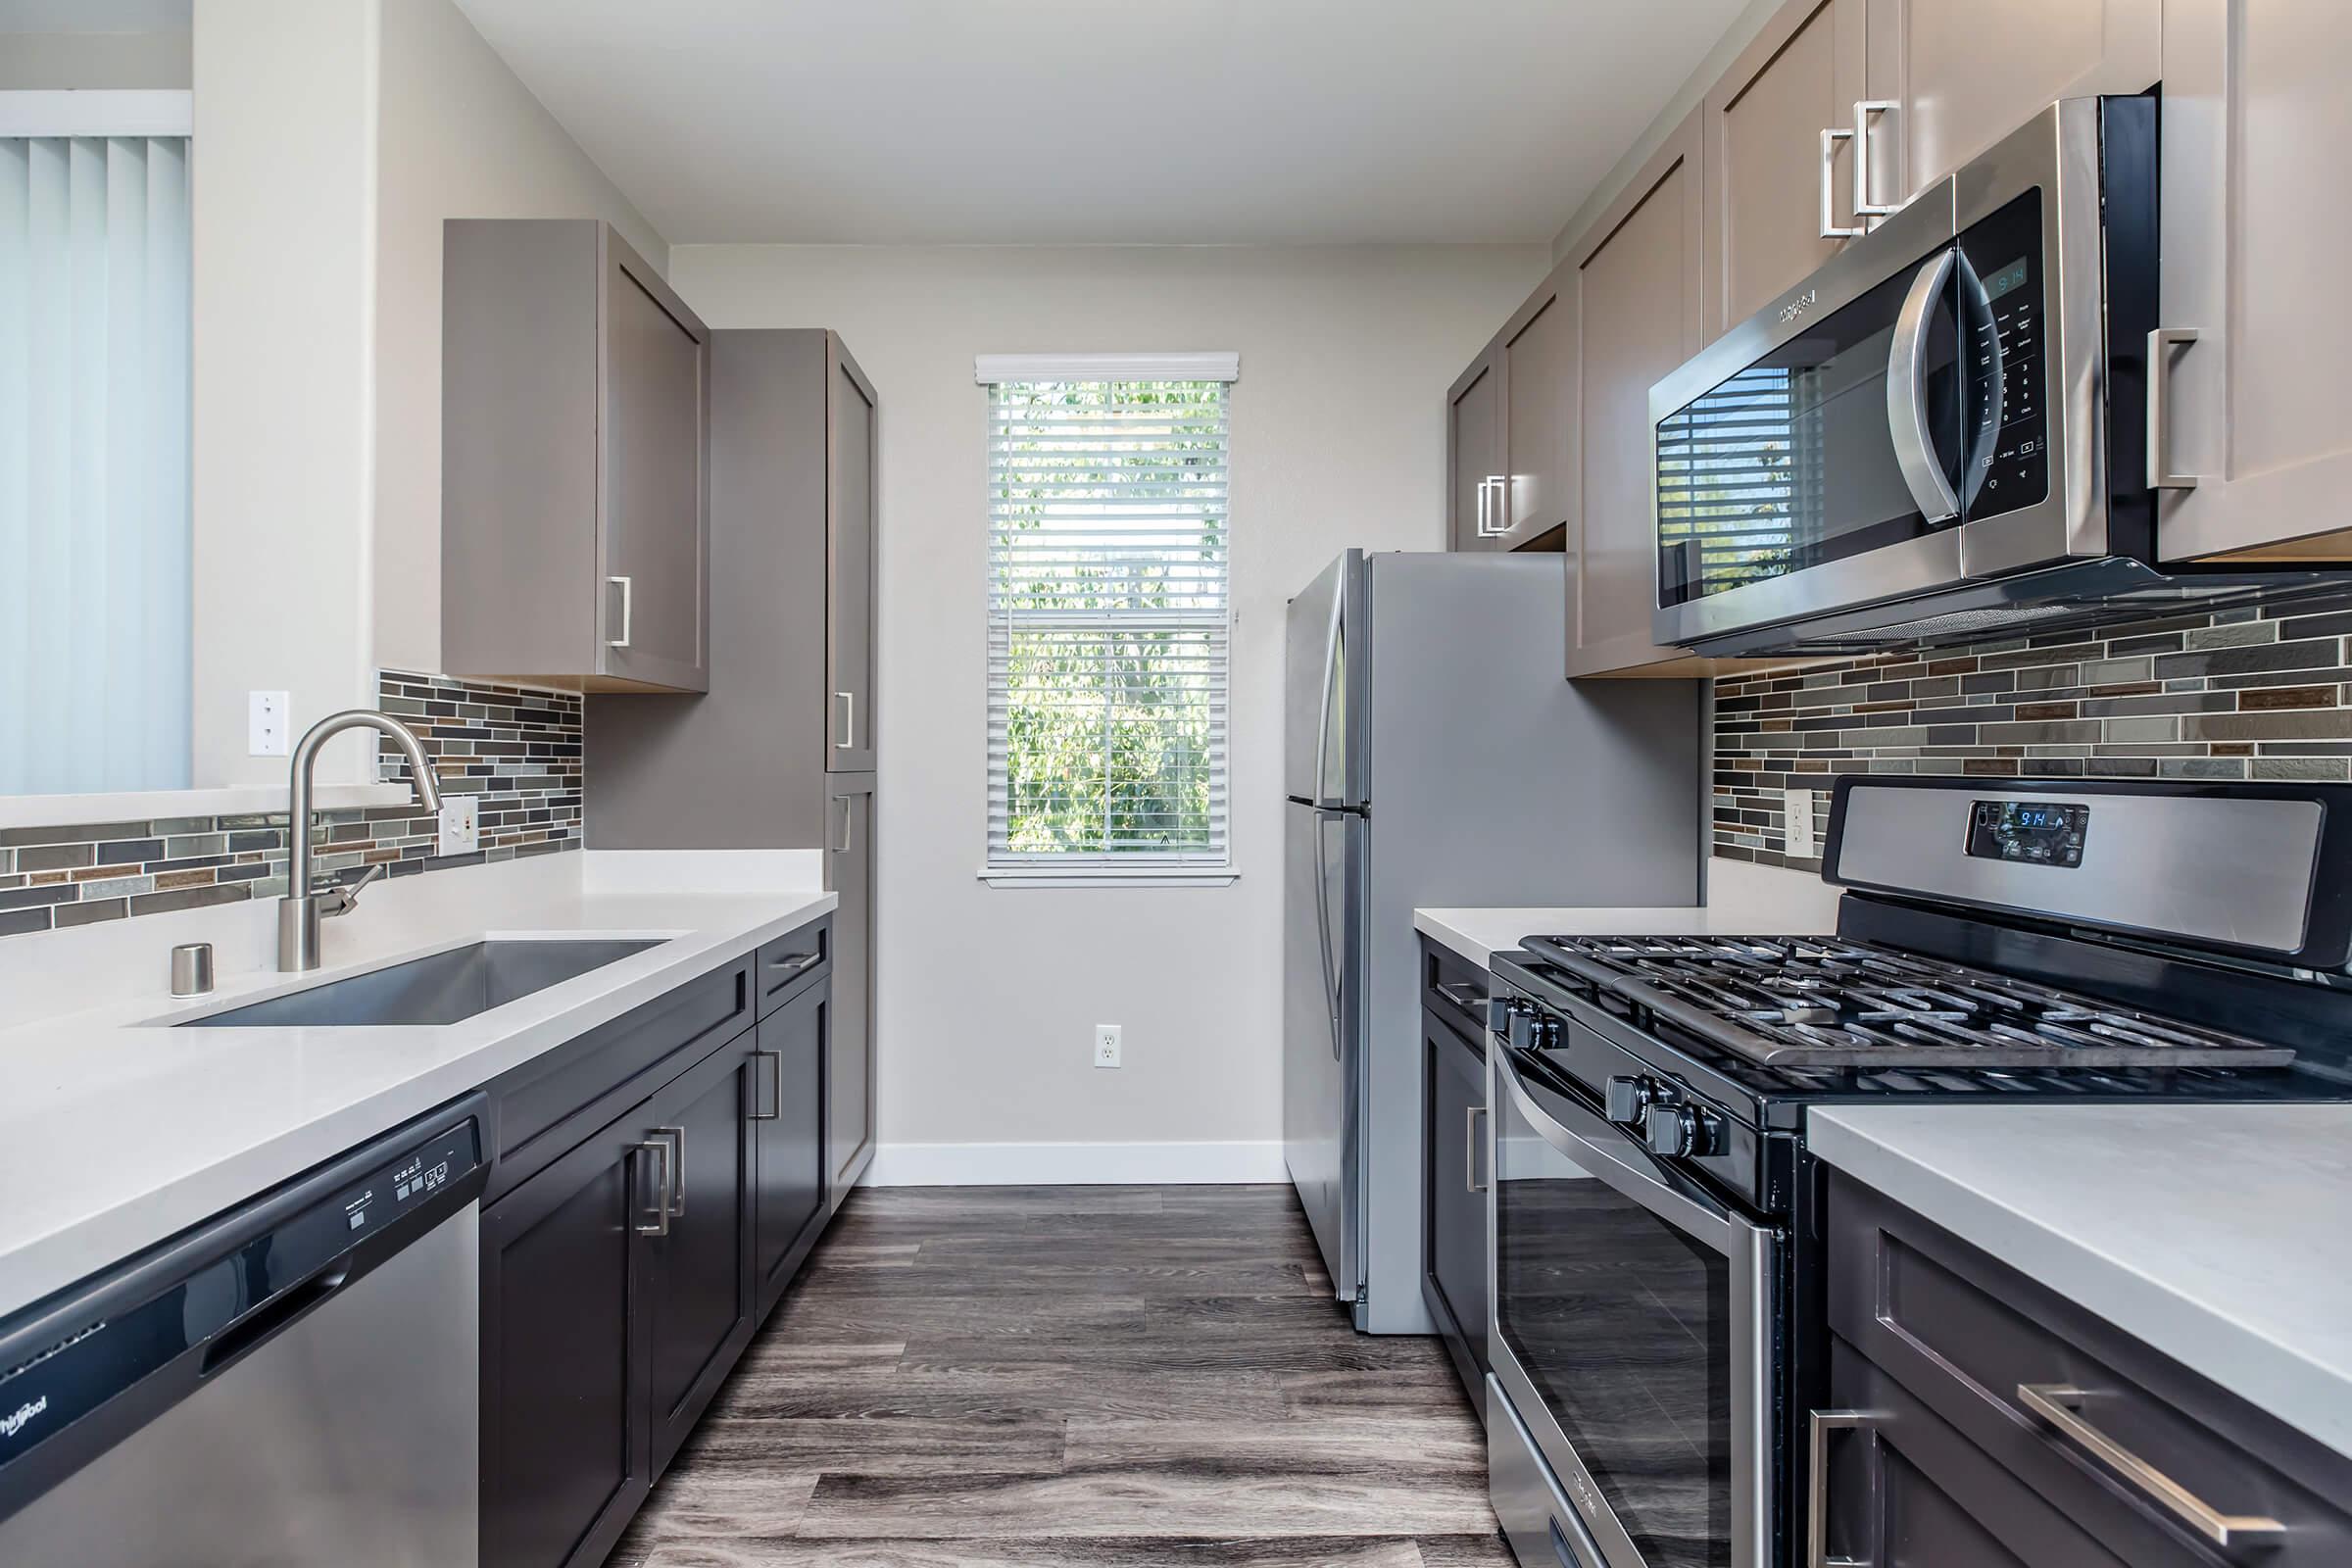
[2029, 832]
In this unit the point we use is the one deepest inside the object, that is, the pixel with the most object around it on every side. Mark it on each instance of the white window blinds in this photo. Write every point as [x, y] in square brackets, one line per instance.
[94, 552]
[1107, 618]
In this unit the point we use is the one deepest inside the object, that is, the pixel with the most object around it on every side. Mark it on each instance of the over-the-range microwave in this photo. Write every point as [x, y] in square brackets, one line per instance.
[1943, 434]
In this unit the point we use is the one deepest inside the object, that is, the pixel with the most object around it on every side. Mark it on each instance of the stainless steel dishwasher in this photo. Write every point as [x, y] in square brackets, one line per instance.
[292, 1382]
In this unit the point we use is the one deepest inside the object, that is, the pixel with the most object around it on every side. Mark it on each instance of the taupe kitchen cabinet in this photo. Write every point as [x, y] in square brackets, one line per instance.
[575, 422]
[2255, 435]
[1978, 1418]
[850, 565]
[1511, 429]
[850, 1035]
[1780, 156]
[1951, 77]
[1638, 296]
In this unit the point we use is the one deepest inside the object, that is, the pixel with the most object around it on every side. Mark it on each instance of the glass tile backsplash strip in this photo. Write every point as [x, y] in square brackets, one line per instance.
[2237, 694]
[517, 749]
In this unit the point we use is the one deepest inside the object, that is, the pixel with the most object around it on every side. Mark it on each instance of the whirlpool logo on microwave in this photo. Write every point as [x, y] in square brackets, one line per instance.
[1798, 305]
[21, 1417]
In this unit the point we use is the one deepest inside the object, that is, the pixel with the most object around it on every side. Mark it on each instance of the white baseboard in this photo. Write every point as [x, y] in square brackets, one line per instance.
[1074, 1164]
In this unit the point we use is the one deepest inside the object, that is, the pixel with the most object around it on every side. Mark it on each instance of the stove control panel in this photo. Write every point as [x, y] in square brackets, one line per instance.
[2029, 832]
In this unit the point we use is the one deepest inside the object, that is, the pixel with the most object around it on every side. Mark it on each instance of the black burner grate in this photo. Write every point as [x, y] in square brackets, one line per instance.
[1825, 1001]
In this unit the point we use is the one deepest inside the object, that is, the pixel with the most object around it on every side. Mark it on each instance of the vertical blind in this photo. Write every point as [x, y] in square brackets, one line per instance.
[1107, 618]
[94, 567]
[1739, 477]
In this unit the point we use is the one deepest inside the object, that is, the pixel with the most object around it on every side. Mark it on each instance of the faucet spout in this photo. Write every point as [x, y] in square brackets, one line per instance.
[302, 909]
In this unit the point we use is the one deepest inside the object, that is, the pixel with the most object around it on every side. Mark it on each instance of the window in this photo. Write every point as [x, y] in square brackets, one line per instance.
[94, 508]
[1107, 617]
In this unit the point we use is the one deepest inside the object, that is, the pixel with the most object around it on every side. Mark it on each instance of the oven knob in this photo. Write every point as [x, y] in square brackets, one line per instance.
[1628, 1099]
[1499, 1011]
[1680, 1130]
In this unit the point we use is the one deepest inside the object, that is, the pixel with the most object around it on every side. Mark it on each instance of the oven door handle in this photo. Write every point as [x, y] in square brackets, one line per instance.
[1907, 393]
[1693, 1216]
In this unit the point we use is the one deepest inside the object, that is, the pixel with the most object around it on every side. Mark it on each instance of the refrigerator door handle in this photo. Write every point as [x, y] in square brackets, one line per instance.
[1324, 795]
[1331, 989]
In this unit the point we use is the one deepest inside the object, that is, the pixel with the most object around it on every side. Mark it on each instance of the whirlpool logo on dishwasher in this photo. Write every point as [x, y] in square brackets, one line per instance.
[21, 1416]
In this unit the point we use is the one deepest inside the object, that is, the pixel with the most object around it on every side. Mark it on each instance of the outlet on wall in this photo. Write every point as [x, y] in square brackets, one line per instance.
[1797, 840]
[266, 723]
[461, 825]
[1107, 1045]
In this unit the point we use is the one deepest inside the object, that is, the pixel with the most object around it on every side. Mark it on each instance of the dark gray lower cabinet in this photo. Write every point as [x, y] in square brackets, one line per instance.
[850, 1041]
[699, 1280]
[1978, 1418]
[789, 1136]
[1453, 1213]
[564, 1348]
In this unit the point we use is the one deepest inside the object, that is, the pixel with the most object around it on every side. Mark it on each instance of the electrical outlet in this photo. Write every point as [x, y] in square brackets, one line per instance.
[1797, 839]
[461, 825]
[1107, 1045]
[266, 723]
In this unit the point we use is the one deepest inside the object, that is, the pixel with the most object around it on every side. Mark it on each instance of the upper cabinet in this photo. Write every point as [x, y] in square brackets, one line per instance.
[1474, 456]
[2254, 435]
[1511, 429]
[1949, 79]
[1780, 156]
[575, 423]
[850, 542]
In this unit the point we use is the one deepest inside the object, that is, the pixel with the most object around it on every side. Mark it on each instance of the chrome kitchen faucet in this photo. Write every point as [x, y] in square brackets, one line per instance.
[301, 909]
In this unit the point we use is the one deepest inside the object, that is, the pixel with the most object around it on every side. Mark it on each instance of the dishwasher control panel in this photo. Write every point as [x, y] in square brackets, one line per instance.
[153, 1328]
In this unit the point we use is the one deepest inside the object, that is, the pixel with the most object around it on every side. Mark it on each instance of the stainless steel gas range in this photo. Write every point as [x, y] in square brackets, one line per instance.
[1657, 1336]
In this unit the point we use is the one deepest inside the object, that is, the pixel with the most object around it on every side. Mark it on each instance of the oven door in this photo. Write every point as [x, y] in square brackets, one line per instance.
[1634, 1319]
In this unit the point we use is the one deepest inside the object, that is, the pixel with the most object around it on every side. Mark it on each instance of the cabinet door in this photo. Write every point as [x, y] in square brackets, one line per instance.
[1474, 456]
[2256, 117]
[1538, 407]
[789, 1148]
[1454, 1181]
[1959, 77]
[699, 1289]
[849, 1043]
[654, 510]
[850, 542]
[564, 1354]
[1638, 305]
[1779, 199]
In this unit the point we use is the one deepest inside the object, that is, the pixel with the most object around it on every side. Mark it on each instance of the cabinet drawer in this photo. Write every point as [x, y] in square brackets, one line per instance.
[2003, 1360]
[543, 1107]
[791, 959]
[1455, 989]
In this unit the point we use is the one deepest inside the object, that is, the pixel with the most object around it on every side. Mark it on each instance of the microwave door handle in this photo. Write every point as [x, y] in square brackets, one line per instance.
[1907, 393]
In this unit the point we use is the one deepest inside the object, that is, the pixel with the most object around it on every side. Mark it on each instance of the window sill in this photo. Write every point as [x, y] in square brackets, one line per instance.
[1109, 876]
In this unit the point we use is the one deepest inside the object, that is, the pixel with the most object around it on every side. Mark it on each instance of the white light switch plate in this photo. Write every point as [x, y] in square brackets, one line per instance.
[1798, 841]
[461, 825]
[266, 723]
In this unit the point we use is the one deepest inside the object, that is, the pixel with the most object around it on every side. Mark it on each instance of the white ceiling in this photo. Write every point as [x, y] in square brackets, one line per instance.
[1269, 122]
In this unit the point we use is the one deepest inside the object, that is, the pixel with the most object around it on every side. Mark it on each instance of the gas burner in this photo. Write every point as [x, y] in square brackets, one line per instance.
[1827, 1001]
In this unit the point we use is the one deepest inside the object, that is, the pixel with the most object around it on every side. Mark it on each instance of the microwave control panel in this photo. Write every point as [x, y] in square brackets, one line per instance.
[2013, 468]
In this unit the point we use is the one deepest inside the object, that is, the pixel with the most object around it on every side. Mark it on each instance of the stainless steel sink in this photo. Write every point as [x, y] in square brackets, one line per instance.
[445, 988]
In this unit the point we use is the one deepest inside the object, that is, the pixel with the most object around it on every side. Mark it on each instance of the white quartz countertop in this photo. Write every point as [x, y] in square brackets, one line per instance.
[2221, 1235]
[115, 1134]
[1741, 901]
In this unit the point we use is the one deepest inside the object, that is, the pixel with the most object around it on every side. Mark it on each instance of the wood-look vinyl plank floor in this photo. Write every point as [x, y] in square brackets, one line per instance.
[1072, 1377]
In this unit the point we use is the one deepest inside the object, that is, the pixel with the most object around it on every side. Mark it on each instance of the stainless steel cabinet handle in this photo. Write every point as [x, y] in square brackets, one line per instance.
[663, 1191]
[1817, 1484]
[2054, 1402]
[2161, 344]
[841, 844]
[1830, 226]
[1470, 1149]
[775, 1103]
[849, 721]
[1864, 208]
[627, 612]
[1463, 997]
[1493, 506]
[1907, 393]
[678, 1169]
[797, 963]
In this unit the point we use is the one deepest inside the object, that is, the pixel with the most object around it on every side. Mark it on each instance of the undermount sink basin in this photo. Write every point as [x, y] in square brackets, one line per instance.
[445, 988]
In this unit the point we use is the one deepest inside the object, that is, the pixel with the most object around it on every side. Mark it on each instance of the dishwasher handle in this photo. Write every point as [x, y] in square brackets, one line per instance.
[273, 1317]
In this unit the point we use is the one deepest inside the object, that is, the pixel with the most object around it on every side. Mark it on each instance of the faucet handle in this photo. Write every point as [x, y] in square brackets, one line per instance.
[341, 900]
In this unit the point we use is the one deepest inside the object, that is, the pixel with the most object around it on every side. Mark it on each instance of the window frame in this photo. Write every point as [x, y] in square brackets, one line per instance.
[1108, 871]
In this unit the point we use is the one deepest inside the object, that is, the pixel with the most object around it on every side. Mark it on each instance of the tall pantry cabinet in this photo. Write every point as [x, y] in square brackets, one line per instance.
[779, 754]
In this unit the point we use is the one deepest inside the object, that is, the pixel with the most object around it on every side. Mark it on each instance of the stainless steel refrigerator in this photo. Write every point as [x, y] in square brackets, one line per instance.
[1432, 756]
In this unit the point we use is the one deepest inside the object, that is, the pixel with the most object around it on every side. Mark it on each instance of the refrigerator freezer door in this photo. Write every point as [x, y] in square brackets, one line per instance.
[1323, 687]
[1321, 1048]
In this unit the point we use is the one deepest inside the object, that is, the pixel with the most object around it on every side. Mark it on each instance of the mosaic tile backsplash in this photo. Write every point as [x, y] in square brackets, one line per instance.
[517, 748]
[2237, 694]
